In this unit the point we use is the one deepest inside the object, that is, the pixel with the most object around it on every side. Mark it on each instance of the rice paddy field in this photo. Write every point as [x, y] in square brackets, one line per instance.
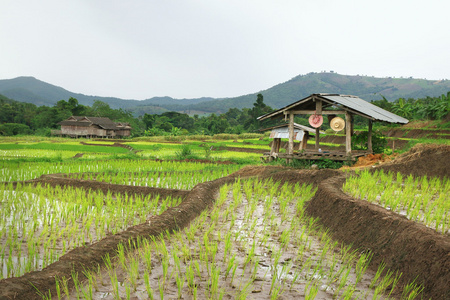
[141, 219]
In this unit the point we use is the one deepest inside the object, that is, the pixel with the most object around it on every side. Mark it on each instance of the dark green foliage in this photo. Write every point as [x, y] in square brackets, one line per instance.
[429, 108]
[379, 141]
[14, 129]
[321, 164]
[64, 147]
[43, 132]
[235, 121]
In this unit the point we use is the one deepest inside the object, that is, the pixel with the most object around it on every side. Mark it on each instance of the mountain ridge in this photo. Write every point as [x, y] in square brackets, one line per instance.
[32, 90]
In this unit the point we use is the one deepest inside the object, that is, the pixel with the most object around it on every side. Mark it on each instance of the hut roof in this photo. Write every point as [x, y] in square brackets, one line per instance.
[296, 126]
[102, 122]
[349, 103]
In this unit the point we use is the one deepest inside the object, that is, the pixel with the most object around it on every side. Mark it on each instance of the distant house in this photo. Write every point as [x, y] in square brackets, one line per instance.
[90, 127]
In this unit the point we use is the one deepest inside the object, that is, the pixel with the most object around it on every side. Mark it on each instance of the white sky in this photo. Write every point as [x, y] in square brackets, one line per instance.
[185, 48]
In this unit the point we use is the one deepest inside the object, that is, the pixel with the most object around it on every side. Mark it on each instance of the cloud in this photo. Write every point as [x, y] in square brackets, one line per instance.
[140, 49]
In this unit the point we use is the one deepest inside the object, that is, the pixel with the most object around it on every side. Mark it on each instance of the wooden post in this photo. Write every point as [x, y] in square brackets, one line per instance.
[271, 150]
[275, 149]
[369, 137]
[317, 139]
[291, 135]
[304, 141]
[318, 107]
[318, 112]
[348, 133]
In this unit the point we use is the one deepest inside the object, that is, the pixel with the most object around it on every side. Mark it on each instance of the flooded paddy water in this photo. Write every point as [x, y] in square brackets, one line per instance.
[255, 243]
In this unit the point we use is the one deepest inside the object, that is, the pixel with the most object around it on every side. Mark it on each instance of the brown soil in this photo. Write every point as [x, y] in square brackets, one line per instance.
[412, 248]
[418, 133]
[62, 180]
[370, 160]
[421, 160]
[404, 245]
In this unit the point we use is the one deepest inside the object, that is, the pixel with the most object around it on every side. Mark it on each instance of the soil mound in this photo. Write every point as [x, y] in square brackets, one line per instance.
[368, 160]
[61, 180]
[420, 253]
[422, 160]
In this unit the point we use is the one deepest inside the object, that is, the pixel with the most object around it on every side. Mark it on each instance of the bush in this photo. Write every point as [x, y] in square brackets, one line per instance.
[14, 129]
[43, 132]
[207, 148]
[379, 141]
[321, 164]
[184, 153]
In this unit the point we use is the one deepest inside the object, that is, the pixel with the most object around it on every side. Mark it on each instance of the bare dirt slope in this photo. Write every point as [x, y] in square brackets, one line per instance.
[422, 160]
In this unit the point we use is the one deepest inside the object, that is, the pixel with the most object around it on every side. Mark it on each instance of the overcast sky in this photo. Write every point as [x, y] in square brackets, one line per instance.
[139, 49]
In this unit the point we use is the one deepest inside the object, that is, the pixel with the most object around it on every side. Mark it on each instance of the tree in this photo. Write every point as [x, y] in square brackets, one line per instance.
[148, 120]
[259, 109]
[10, 129]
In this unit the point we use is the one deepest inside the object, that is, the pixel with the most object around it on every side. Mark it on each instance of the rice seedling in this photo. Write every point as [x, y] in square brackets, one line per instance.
[420, 199]
[43, 223]
[255, 232]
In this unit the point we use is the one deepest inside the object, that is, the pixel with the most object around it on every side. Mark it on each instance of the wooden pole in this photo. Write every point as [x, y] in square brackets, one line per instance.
[317, 139]
[348, 133]
[318, 107]
[318, 112]
[272, 148]
[291, 135]
[369, 137]
[303, 142]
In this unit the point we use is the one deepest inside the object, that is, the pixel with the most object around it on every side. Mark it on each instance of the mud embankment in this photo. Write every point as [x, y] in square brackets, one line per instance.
[61, 180]
[413, 249]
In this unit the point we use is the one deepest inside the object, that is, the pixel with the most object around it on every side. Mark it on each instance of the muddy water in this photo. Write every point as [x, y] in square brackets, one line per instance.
[230, 253]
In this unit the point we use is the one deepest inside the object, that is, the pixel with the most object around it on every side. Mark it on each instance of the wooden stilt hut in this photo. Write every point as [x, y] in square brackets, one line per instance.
[319, 105]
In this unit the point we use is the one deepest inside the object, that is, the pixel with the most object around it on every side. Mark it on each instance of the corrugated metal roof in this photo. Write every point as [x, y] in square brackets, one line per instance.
[296, 126]
[366, 108]
[348, 102]
[283, 133]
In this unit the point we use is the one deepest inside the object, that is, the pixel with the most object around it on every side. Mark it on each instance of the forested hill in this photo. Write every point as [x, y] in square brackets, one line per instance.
[29, 89]
[32, 90]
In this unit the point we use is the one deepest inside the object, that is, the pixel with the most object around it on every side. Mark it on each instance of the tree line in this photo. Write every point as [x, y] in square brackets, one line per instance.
[26, 118]
[428, 108]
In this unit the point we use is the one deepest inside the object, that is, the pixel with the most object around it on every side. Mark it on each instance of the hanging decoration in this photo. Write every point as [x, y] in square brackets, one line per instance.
[315, 120]
[337, 124]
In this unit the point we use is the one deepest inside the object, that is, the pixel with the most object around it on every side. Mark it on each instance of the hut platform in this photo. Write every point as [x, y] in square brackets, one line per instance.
[317, 155]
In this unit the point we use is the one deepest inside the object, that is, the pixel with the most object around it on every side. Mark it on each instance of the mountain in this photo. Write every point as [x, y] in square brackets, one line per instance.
[30, 89]
[365, 87]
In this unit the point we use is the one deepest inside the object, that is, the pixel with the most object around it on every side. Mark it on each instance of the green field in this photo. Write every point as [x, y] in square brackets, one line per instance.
[255, 237]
